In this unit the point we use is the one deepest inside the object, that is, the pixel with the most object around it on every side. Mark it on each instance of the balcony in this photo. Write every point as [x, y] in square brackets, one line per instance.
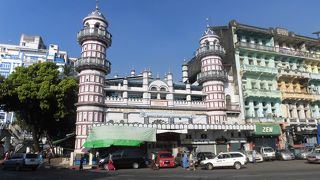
[219, 75]
[264, 119]
[315, 76]
[93, 63]
[278, 50]
[254, 69]
[94, 34]
[261, 93]
[301, 121]
[233, 108]
[293, 74]
[297, 96]
[210, 50]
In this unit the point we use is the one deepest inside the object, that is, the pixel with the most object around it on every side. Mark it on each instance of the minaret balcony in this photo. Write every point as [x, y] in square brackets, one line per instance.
[94, 34]
[93, 63]
[261, 93]
[216, 50]
[259, 70]
[218, 75]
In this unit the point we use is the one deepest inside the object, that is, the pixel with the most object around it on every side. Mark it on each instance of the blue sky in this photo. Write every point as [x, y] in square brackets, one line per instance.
[156, 34]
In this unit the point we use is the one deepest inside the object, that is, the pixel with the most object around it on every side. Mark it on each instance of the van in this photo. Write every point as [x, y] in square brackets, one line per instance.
[267, 153]
[125, 158]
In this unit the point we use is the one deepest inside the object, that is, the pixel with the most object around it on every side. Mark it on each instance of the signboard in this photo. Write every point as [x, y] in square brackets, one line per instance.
[267, 130]
[318, 135]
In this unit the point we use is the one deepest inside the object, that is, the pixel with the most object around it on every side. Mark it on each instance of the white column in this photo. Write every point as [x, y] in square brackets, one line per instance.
[269, 110]
[278, 111]
[260, 110]
[251, 112]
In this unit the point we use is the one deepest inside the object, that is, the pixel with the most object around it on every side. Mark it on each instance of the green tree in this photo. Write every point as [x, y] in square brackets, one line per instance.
[43, 101]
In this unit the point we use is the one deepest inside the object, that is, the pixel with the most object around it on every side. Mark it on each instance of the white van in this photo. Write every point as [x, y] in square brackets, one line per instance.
[267, 153]
[235, 159]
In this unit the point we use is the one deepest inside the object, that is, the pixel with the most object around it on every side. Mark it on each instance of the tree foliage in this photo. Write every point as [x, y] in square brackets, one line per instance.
[42, 100]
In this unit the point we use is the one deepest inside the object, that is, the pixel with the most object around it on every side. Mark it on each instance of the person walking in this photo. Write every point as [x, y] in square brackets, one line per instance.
[154, 162]
[110, 164]
[254, 155]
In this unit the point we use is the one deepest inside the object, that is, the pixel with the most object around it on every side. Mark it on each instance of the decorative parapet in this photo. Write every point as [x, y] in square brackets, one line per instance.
[165, 126]
[259, 69]
[301, 121]
[260, 93]
[93, 63]
[220, 75]
[279, 50]
[94, 33]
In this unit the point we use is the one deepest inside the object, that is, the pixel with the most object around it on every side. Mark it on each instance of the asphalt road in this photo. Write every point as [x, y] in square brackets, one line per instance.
[276, 170]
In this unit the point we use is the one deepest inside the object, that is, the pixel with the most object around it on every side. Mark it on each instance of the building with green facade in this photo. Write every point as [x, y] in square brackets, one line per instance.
[277, 78]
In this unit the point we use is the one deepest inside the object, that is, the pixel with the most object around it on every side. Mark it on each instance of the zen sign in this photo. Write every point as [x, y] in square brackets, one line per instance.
[267, 129]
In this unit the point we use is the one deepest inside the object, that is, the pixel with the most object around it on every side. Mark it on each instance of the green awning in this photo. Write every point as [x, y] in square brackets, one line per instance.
[267, 130]
[106, 136]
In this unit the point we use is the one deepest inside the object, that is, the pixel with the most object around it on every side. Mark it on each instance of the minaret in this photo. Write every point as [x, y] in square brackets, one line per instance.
[92, 67]
[212, 76]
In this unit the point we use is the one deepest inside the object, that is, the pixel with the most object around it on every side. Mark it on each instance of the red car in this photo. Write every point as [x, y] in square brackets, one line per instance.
[165, 159]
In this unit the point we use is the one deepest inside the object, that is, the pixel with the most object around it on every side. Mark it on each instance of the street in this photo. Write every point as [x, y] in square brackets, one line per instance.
[297, 169]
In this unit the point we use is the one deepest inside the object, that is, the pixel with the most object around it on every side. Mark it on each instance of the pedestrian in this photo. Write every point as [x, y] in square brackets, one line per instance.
[254, 155]
[49, 157]
[154, 165]
[185, 162]
[191, 162]
[6, 156]
[81, 163]
[110, 164]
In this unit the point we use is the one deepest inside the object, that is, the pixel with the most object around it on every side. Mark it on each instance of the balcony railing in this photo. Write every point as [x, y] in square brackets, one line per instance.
[259, 69]
[294, 73]
[261, 93]
[233, 107]
[264, 119]
[93, 62]
[297, 96]
[89, 33]
[220, 75]
[210, 50]
[315, 76]
[279, 50]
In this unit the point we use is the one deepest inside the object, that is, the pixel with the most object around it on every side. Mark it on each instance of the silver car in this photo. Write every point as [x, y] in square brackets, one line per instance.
[284, 154]
[304, 154]
[314, 157]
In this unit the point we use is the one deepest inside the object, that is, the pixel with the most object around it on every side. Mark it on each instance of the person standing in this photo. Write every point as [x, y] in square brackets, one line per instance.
[254, 155]
[185, 163]
[191, 162]
[153, 162]
[81, 163]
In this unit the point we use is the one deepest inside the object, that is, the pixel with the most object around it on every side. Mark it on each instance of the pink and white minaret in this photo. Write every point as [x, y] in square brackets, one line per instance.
[212, 76]
[92, 67]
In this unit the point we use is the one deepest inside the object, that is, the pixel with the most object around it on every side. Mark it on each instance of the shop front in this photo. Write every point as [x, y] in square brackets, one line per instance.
[266, 135]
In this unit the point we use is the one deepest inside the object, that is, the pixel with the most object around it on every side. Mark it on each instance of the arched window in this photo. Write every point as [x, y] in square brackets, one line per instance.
[163, 89]
[207, 45]
[86, 25]
[153, 89]
[97, 25]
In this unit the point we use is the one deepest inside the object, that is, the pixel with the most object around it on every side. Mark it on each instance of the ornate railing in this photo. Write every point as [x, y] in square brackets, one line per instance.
[279, 50]
[212, 75]
[93, 62]
[210, 50]
[294, 73]
[89, 33]
[297, 95]
[259, 69]
[261, 93]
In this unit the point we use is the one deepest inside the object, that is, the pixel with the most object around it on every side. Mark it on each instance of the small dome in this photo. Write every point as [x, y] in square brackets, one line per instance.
[96, 14]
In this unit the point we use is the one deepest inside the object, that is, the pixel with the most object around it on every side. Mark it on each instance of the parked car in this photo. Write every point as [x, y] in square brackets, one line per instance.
[200, 156]
[225, 159]
[22, 160]
[284, 154]
[304, 154]
[267, 153]
[165, 159]
[314, 157]
[258, 158]
[125, 158]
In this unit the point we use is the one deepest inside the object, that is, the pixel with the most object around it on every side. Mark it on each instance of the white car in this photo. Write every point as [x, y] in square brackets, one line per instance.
[258, 158]
[225, 159]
